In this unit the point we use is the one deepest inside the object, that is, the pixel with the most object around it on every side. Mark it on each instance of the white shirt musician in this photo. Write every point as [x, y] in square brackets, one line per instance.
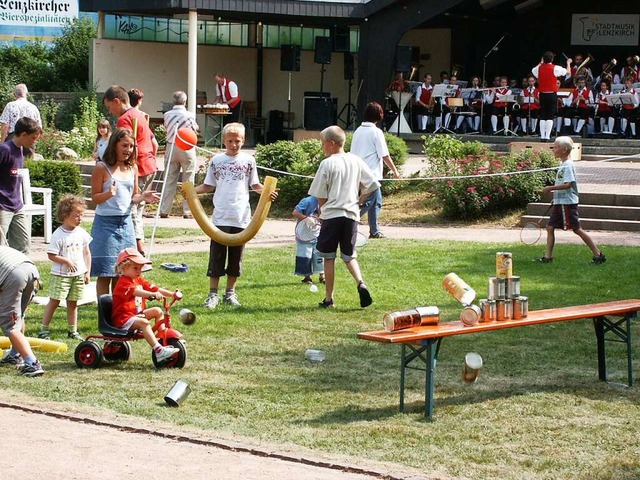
[604, 111]
[631, 69]
[530, 110]
[628, 111]
[580, 100]
[499, 108]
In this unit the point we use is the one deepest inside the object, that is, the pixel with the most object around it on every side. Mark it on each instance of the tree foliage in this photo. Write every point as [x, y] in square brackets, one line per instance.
[62, 67]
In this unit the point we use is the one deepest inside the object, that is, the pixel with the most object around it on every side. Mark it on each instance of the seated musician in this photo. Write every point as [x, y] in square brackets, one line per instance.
[449, 111]
[575, 71]
[604, 111]
[474, 105]
[563, 110]
[530, 109]
[629, 112]
[580, 101]
[499, 108]
[424, 104]
[607, 75]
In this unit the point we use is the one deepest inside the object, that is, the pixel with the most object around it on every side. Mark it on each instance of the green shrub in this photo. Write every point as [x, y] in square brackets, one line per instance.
[299, 158]
[475, 195]
[161, 135]
[62, 177]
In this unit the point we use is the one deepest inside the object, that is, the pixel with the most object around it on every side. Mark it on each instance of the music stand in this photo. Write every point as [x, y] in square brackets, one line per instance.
[508, 99]
[617, 87]
[620, 99]
[443, 90]
[469, 95]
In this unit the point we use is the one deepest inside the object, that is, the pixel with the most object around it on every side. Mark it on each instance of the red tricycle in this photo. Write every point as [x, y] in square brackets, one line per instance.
[116, 348]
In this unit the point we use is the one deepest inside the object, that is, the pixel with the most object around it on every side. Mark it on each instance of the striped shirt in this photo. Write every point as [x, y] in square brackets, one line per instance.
[176, 118]
[9, 260]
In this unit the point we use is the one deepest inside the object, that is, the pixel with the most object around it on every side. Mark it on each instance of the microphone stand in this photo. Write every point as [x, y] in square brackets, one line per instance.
[484, 70]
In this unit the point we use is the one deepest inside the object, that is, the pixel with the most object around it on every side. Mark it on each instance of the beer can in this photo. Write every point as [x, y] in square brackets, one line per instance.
[504, 264]
[400, 320]
[458, 288]
[508, 309]
[428, 315]
[512, 289]
[520, 307]
[497, 288]
[488, 308]
[470, 315]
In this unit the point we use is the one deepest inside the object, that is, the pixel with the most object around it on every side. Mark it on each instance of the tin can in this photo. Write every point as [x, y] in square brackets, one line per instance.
[500, 310]
[504, 264]
[508, 309]
[497, 288]
[411, 318]
[488, 308]
[428, 315]
[512, 289]
[458, 288]
[400, 320]
[520, 307]
[470, 315]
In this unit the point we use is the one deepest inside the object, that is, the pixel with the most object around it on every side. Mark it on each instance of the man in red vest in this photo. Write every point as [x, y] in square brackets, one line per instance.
[546, 73]
[227, 92]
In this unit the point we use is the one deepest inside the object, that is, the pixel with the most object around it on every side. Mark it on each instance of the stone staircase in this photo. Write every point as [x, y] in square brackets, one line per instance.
[598, 211]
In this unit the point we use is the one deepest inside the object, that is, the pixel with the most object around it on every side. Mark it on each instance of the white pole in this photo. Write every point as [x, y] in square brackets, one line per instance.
[192, 69]
[167, 161]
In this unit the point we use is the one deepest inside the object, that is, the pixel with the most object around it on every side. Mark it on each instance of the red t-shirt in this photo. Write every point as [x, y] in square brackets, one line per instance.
[146, 160]
[125, 303]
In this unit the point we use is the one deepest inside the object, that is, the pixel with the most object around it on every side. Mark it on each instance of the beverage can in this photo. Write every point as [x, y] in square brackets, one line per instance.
[497, 288]
[508, 309]
[488, 308]
[500, 310]
[520, 307]
[504, 264]
[512, 289]
[400, 320]
[458, 288]
[429, 315]
[470, 315]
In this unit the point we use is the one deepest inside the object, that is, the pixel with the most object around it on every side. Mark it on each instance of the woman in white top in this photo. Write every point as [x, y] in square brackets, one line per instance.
[369, 144]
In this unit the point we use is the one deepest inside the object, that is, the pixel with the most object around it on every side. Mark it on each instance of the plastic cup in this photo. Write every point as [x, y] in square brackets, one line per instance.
[314, 355]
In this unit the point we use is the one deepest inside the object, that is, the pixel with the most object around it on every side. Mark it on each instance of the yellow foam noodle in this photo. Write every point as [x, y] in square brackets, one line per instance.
[231, 239]
[38, 344]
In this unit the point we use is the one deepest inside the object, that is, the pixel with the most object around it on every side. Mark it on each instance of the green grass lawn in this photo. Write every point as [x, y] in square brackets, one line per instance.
[536, 411]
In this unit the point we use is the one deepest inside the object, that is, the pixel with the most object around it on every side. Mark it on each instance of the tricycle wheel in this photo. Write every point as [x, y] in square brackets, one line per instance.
[88, 354]
[117, 351]
[179, 358]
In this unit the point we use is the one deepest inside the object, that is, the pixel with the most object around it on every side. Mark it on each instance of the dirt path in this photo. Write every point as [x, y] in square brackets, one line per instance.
[69, 445]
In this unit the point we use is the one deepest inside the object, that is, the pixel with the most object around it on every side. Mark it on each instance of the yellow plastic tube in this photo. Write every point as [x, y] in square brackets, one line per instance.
[230, 239]
[38, 344]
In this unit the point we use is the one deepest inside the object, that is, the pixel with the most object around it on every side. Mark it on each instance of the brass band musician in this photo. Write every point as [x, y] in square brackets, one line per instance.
[604, 112]
[580, 101]
[629, 112]
[499, 108]
[530, 109]
[631, 69]
[424, 104]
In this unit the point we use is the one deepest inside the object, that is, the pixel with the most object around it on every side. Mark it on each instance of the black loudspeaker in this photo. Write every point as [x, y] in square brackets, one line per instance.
[290, 58]
[323, 50]
[403, 58]
[348, 66]
[341, 39]
[320, 112]
[276, 126]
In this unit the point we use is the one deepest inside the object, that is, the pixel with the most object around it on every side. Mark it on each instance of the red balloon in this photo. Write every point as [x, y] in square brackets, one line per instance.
[186, 139]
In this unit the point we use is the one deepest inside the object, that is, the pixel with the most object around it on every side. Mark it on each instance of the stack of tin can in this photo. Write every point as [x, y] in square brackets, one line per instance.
[504, 301]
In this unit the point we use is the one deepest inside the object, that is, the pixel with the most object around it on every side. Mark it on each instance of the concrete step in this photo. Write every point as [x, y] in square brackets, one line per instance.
[592, 223]
[607, 212]
[615, 199]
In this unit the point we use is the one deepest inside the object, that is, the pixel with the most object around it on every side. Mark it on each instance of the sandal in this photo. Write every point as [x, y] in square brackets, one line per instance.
[326, 304]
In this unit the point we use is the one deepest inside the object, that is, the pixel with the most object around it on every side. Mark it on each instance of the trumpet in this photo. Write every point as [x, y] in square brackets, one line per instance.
[633, 60]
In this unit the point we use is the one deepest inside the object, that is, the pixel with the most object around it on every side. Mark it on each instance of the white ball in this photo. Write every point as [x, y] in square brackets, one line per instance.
[313, 288]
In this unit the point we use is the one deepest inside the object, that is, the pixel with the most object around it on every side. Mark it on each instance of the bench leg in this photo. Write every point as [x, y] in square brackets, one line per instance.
[622, 330]
[430, 372]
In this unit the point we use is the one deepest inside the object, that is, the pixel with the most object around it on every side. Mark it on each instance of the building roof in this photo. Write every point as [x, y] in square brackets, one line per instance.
[319, 11]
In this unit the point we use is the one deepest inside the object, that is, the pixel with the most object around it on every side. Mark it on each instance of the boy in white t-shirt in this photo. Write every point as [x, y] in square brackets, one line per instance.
[71, 257]
[230, 176]
[341, 184]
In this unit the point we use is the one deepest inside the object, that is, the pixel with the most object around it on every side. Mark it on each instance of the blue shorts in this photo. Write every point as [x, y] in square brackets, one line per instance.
[334, 232]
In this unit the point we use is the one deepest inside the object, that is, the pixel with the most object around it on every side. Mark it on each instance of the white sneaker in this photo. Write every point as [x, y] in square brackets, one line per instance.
[232, 299]
[166, 353]
[212, 300]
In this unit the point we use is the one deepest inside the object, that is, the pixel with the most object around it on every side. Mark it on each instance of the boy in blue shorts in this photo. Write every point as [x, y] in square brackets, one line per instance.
[343, 181]
[230, 176]
[564, 213]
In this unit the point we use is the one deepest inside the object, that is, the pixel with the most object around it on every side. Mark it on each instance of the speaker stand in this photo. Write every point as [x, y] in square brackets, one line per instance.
[348, 106]
[322, 70]
[289, 108]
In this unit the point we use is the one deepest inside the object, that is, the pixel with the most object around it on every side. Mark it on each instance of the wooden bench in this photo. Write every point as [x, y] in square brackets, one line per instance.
[423, 343]
[30, 209]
